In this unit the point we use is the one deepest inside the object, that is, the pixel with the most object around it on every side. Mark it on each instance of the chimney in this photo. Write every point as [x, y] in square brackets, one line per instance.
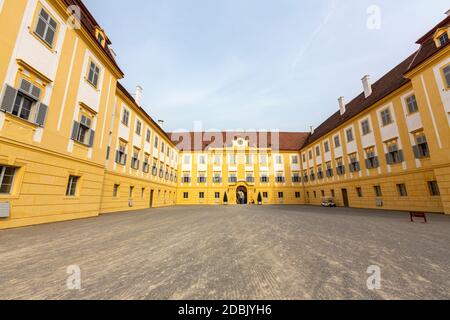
[161, 123]
[312, 129]
[342, 105]
[138, 96]
[447, 13]
[367, 84]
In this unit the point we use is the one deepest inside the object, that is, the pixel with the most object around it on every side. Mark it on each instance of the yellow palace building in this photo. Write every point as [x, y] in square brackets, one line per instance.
[74, 143]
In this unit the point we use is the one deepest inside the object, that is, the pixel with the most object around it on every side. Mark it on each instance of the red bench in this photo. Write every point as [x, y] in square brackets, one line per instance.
[421, 215]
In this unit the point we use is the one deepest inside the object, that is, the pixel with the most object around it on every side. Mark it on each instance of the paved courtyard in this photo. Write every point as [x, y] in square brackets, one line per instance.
[240, 252]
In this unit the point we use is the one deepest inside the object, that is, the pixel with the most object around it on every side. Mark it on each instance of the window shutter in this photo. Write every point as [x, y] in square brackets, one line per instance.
[9, 98]
[376, 162]
[368, 164]
[401, 155]
[388, 158]
[41, 114]
[416, 152]
[91, 138]
[76, 126]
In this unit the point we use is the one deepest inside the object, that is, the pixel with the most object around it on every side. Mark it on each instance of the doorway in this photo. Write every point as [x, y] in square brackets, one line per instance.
[241, 195]
[151, 198]
[345, 198]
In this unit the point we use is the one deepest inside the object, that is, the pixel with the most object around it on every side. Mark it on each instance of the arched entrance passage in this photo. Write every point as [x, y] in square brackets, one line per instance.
[241, 195]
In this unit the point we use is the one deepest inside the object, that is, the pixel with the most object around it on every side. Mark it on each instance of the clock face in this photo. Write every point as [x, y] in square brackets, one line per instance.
[240, 142]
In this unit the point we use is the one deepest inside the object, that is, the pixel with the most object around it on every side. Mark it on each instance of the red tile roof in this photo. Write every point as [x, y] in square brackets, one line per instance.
[283, 141]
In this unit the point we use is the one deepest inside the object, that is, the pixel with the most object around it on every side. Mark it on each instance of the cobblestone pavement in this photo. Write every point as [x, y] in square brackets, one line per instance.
[234, 252]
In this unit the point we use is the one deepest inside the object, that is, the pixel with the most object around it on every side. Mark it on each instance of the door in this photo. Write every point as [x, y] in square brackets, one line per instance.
[345, 198]
[151, 198]
[241, 195]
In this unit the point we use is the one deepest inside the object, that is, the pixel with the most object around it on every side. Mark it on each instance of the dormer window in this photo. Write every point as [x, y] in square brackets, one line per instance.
[101, 37]
[443, 39]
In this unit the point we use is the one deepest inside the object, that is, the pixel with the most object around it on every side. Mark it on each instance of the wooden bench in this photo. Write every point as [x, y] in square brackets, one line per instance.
[415, 214]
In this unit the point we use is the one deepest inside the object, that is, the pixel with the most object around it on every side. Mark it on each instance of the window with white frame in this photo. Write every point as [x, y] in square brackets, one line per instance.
[278, 159]
[71, 190]
[186, 159]
[125, 117]
[411, 103]
[337, 142]
[326, 146]
[6, 179]
[46, 27]
[138, 127]
[93, 74]
[386, 117]
[349, 133]
[365, 127]
[148, 136]
[446, 72]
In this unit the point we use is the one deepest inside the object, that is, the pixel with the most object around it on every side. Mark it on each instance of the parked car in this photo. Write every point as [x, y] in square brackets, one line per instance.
[328, 203]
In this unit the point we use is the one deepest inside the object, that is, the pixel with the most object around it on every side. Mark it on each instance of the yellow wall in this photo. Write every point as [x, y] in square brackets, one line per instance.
[45, 157]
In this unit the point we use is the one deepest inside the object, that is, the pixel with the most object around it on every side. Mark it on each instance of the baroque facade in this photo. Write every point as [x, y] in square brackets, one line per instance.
[74, 143]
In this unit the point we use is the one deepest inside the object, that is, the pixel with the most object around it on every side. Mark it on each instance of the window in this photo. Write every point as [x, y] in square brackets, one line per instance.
[320, 174]
[365, 126]
[378, 192]
[131, 192]
[82, 132]
[202, 159]
[333, 193]
[401, 189]
[315, 194]
[22, 106]
[71, 190]
[232, 159]
[263, 160]
[142, 193]
[186, 160]
[280, 195]
[446, 72]
[250, 178]
[186, 177]
[304, 157]
[394, 155]
[154, 169]
[232, 178]
[337, 142]
[349, 133]
[93, 75]
[294, 159]
[317, 151]
[125, 117]
[135, 160]
[217, 195]
[265, 195]
[186, 195]
[217, 160]
[354, 163]
[443, 39]
[162, 147]
[46, 27]
[434, 188]
[386, 117]
[329, 170]
[359, 192]
[421, 148]
[322, 192]
[297, 195]
[100, 39]
[326, 146]
[201, 195]
[411, 102]
[305, 176]
[312, 175]
[138, 127]
[217, 177]
[146, 164]
[280, 178]
[310, 155]
[264, 178]
[121, 156]
[372, 161]
[296, 177]
[116, 191]
[201, 177]
[340, 169]
[278, 159]
[6, 179]
[148, 136]
[248, 160]
[156, 143]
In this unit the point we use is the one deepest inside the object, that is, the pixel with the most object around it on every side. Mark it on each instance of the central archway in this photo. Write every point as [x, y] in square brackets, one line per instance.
[241, 195]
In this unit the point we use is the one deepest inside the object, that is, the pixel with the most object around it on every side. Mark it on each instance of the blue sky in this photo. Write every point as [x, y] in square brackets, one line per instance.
[257, 64]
